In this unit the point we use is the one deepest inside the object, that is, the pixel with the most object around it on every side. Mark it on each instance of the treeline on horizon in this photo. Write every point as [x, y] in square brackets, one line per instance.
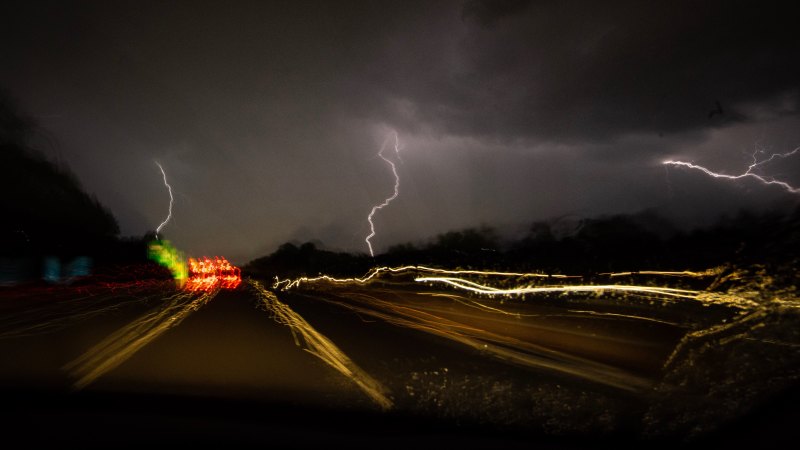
[613, 243]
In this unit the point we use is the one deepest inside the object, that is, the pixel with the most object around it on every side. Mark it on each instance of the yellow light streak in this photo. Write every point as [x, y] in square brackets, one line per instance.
[744, 306]
[749, 321]
[476, 304]
[63, 309]
[516, 351]
[584, 312]
[124, 343]
[570, 312]
[312, 341]
[487, 290]
[705, 297]
[684, 273]
[376, 272]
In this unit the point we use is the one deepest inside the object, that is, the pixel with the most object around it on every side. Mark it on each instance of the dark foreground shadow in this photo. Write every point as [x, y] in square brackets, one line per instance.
[89, 419]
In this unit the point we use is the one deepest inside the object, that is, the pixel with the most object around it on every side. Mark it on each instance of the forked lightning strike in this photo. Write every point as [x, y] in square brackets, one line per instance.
[748, 173]
[171, 200]
[389, 199]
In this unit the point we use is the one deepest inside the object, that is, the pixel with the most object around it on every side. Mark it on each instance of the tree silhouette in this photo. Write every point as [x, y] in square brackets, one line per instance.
[44, 207]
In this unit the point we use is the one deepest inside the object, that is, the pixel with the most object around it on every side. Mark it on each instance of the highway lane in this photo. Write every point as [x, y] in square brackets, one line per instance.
[575, 365]
[571, 363]
[230, 347]
[224, 347]
[626, 351]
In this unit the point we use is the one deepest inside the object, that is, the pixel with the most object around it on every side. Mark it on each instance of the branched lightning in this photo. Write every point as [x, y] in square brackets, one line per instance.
[171, 200]
[749, 172]
[389, 199]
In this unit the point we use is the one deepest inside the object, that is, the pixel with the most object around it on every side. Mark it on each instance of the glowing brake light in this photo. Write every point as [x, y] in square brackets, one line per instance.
[207, 273]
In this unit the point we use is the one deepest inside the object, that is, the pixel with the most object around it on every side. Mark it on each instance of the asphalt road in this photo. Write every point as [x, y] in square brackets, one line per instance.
[355, 365]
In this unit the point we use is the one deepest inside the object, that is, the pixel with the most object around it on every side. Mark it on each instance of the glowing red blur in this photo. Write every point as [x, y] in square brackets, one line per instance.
[207, 273]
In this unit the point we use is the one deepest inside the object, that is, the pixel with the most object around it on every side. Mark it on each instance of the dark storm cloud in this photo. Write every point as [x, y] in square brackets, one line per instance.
[589, 70]
[487, 12]
[564, 70]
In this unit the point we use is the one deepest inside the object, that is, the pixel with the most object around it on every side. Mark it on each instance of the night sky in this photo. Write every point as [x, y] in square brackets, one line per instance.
[268, 116]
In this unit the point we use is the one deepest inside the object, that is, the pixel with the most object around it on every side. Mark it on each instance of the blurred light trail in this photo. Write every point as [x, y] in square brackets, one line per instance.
[704, 297]
[619, 335]
[120, 346]
[41, 311]
[168, 256]
[378, 271]
[743, 324]
[472, 303]
[684, 273]
[748, 173]
[504, 347]
[171, 200]
[487, 290]
[389, 199]
[206, 274]
[306, 337]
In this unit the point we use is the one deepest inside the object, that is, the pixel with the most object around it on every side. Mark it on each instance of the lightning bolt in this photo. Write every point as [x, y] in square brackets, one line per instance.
[171, 199]
[389, 199]
[749, 172]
